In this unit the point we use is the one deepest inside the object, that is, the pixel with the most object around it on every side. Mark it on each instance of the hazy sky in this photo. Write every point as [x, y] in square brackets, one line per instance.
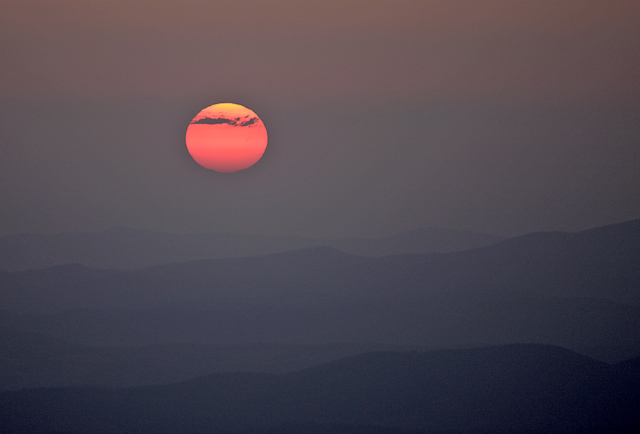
[488, 115]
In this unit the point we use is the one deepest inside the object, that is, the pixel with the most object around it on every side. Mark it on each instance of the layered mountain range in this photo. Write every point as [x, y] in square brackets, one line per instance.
[459, 339]
[516, 389]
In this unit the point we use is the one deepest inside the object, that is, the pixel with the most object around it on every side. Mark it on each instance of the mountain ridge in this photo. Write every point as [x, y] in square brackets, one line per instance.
[518, 387]
[126, 248]
[577, 290]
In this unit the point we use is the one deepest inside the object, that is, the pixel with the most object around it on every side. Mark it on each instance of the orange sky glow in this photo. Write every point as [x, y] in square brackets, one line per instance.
[497, 116]
[506, 49]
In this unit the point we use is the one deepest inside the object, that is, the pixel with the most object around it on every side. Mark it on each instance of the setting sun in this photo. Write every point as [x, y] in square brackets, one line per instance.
[226, 138]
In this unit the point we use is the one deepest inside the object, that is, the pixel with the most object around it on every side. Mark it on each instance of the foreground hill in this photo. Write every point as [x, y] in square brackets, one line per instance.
[517, 388]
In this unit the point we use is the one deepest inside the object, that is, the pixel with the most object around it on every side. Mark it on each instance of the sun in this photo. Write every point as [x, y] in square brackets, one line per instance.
[226, 137]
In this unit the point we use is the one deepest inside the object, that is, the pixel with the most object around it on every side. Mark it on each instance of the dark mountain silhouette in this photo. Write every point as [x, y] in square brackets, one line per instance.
[600, 263]
[630, 367]
[123, 248]
[517, 388]
[270, 280]
[29, 360]
[579, 291]
[613, 354]
[417, 242]
[573, 323]
[575, 290]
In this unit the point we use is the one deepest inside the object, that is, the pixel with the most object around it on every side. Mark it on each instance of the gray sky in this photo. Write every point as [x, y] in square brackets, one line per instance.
[486, 115]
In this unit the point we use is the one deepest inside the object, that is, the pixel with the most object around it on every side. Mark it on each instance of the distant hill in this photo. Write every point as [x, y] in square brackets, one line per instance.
[422, 241]
[518, 388]
[127, 249]
[575, 290]
[29, 360]
[599, 263]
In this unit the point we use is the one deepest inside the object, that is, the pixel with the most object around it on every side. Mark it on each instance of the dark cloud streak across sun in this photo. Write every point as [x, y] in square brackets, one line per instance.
[235, 122]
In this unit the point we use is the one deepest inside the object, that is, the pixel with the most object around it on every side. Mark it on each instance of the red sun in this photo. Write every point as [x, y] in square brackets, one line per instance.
[226, 138]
